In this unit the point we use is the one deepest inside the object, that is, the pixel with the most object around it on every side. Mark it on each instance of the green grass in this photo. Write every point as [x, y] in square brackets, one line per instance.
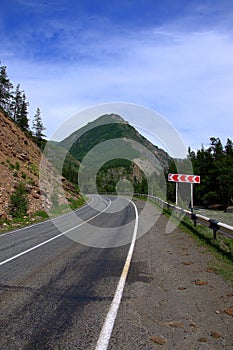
[221, 248]
[39, 216]
[42, 213]
[75, 204]
[16, 223]
[65, 208]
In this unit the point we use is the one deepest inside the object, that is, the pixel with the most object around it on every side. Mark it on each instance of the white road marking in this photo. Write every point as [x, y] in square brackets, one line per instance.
[105, 334]
[42, 222]
[55, 237]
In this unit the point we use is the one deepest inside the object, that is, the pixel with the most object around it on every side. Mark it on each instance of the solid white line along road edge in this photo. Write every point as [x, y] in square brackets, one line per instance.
[42, 222]
[105, 334]
[55, 237]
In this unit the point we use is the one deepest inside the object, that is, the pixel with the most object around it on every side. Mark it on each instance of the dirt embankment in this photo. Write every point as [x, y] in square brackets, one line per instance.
[20, 161]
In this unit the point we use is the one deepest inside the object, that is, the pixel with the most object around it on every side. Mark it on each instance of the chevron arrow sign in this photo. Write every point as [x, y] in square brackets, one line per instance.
[193, 179]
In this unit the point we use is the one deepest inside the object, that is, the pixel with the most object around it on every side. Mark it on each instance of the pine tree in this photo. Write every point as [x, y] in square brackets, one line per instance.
[22, 118]
[5, 90]
[229, 148]
[38, 125]
[19, 109]
[215, 165]
[16, 103]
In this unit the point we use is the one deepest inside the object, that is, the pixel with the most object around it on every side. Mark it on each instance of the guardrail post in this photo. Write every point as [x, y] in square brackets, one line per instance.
[214, 226]
[194, 218]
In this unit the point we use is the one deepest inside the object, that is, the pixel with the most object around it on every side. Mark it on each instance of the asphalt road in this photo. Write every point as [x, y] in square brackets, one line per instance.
[55, 293]
[61, 289]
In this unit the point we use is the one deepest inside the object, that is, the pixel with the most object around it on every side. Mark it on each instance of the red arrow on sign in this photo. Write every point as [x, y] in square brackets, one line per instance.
[174, 177]
[184, 178]
[191, 178]
[197, 179]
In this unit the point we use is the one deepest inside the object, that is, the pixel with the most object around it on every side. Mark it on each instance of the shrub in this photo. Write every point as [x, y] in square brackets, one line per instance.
[19, 202]
[17, 166]
[42, 214]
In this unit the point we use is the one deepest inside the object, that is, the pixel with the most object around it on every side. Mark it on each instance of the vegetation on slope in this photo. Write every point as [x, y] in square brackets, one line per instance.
[117, 160]
[215, 166]
[21, 197]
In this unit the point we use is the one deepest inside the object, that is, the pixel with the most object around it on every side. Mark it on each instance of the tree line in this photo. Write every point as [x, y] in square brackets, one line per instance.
[215, 166]
[14, 104]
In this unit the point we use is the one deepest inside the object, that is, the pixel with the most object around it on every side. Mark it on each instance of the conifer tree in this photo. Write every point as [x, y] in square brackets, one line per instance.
[5, 90]
[215, 166]
[22, 118]
[37, 125]
[19, 108]
[16, 103]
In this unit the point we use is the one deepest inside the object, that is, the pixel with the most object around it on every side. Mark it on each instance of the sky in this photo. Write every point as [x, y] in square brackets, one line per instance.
[172, 57]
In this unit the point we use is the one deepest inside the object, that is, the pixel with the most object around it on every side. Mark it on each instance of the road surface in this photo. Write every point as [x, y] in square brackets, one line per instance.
[56, 293]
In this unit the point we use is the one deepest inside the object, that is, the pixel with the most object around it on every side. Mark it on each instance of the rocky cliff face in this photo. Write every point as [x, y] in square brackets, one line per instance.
[20, 161]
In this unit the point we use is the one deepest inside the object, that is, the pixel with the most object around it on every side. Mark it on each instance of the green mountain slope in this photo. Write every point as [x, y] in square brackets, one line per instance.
[105, 128]
[110, 149]
[63, 161]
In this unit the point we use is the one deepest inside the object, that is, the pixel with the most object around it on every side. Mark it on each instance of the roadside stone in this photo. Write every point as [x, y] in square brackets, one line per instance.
[215, 335]
[182, 288]
[210, 270]
[187, 263]
[200, 283]
[229, 311]
[203, 340]
[158, 340]
[176, 324]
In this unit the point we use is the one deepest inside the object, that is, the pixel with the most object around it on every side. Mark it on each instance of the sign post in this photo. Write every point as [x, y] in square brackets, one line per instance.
[192, 179]
[177, 193]
[191, 185]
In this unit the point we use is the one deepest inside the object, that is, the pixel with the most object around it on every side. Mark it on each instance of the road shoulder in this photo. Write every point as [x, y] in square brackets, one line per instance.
[172, 298]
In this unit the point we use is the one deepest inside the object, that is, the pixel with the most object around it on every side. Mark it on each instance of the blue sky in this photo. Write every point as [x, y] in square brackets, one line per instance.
[174, 57]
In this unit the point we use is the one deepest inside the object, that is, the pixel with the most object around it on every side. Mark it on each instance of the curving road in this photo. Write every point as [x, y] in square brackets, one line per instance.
[61, 289]
[55, 293]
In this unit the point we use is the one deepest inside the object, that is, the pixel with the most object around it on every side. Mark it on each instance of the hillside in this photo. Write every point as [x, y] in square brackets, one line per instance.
[20, 161]
[62, 161]
[108, 127]
[123, 150]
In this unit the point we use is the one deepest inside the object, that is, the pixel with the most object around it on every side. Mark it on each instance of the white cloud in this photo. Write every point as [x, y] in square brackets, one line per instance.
[186, 76]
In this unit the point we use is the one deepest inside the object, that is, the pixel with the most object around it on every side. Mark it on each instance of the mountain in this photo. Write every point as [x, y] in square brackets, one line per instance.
[20, 160]
[63, 161]
[114, 149]
[108, 127]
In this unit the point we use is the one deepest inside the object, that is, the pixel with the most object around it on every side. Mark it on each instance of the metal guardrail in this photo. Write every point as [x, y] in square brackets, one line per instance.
[216, 226]
[213, 224]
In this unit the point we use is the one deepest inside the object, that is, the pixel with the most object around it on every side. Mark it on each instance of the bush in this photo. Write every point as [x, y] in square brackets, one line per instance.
[19, 202]
[42, 214]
